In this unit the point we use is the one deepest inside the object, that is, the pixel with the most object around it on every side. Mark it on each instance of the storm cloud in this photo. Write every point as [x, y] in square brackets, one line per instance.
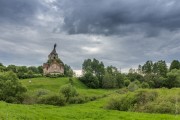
[120, 16]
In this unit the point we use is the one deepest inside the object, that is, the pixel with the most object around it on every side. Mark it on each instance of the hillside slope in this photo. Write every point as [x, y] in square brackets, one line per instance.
[54, 84]
[88, 111]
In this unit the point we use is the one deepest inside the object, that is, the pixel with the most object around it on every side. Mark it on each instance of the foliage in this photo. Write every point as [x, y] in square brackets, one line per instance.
[145, 85]
[120, 80]
[90, 80]
[11, 89]
[68, 72]
[94, 67]
[127, 82]
[151, 101]
[68, 91]
[132, 86]
[135, 76]
[58, 100]
[160, 68]
[147, 68]
[175, 64]
[131, 101]
[108, 81]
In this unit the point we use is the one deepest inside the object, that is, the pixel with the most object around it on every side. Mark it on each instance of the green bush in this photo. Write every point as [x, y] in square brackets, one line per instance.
[162, 107]
[145, 85]
[127, 82]
[90, 80]
[58, 100]
[68, 91]
[11, 89]
[30, 99]
[122, 91]
[41, 92]
[132, 86]
[78, 100]
[54, 75]
[132, 101]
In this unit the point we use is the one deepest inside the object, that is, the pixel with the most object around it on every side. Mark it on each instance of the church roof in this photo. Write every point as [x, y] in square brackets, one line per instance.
[54, 51]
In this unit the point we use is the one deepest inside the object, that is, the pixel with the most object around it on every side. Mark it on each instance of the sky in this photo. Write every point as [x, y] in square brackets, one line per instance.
[122, 33]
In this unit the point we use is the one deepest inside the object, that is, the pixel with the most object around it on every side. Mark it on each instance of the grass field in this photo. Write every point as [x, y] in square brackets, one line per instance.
[93, 110]
[54, 84]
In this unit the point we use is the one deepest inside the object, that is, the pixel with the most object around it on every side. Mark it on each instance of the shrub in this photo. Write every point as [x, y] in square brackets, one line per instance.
[162, 107]
[54, 75]
[68, 91]
[145, 85]
[58, 100]
[127, 82]
[30, 99]
[11, 89]
[90, 80]
[132, 87]
[132, 101]
[41, 92]
[78, 100]
[122, 91]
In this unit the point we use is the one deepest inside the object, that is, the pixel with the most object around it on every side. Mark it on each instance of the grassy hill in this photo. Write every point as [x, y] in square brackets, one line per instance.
[54, 84]
[93, 110]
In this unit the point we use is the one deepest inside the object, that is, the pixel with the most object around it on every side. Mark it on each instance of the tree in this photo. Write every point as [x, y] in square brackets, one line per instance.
[12, 68]
[68, 72]
[160, 68]
[22, 69]
[147, 68]
[112, 70]
[33, 69]
[11, 89]
[135, 76]
[109, 81]
[173, 79]
[94, 67]
[90, 80]
[120, 80]
[3, 68]
[139, 70]
[175, 64]
[40, 69]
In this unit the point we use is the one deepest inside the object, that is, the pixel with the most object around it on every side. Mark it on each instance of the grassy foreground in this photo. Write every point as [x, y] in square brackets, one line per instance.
[88, 111]
[93, 110]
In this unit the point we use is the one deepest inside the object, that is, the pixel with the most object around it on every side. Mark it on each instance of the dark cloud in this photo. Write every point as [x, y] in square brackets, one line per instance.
[120, 16]
[20, 11]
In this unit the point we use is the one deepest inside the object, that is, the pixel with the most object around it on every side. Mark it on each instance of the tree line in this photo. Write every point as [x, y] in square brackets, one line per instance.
[149, 75]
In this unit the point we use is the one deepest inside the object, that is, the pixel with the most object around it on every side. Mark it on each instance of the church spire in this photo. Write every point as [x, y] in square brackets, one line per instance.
[55, 46]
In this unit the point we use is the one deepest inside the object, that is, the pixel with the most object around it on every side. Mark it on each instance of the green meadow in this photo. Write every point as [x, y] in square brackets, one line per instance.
[93, 110]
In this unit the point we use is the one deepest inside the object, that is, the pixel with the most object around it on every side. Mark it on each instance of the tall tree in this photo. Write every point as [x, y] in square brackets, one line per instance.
[94, 67]
[147, 68]
[160, 68]
[175, 64]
